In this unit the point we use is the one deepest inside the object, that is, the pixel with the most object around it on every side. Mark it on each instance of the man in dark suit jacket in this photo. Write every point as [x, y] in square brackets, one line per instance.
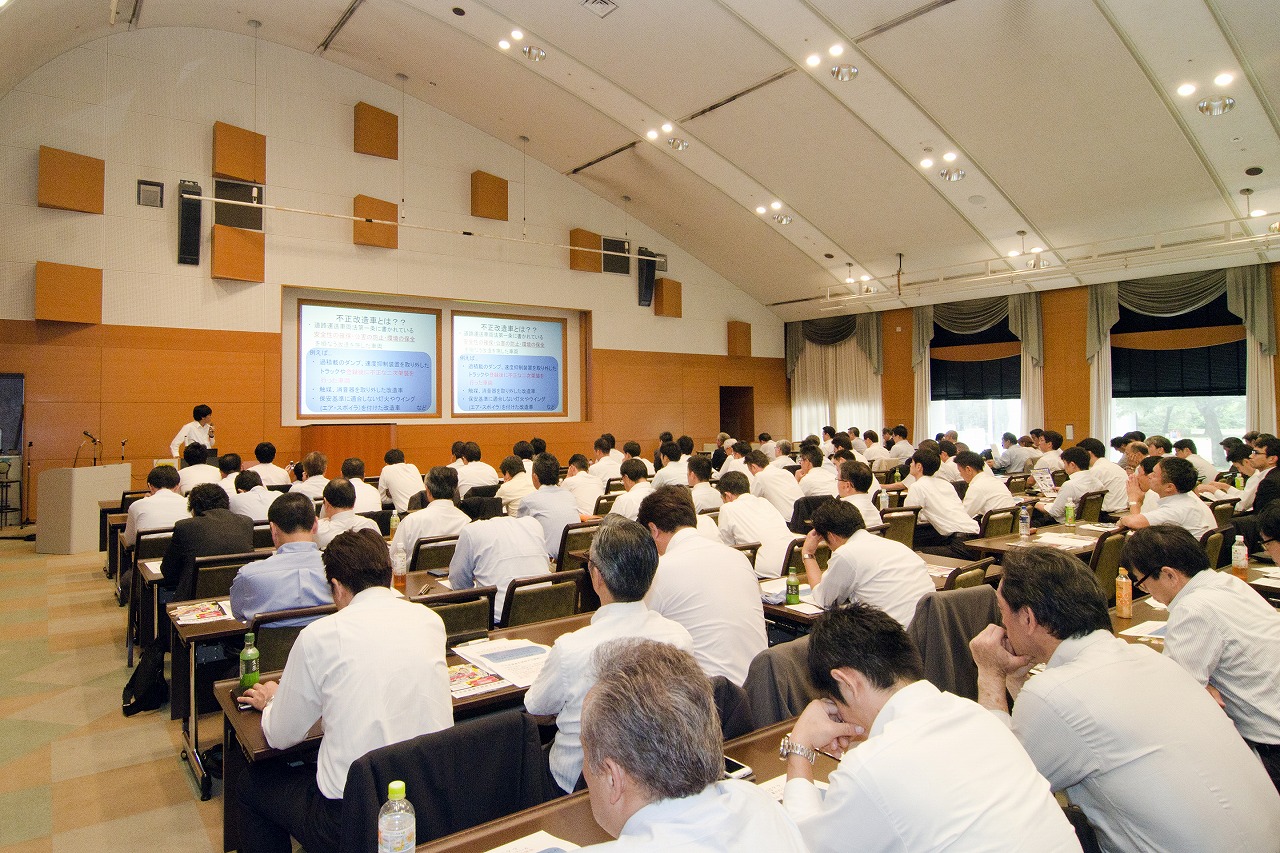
[212, 530]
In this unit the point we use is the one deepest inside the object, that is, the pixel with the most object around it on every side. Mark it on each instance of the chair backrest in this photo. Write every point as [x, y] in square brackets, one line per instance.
[1223, 510]
[432, 552]
[1090, 508]
[467, 613]
[131, 497]
[262, 536]
[878, 530]
[778, 684]
[802, 512]
[943, 625]
[613, 485]
[151, 544]
[713, 514]
[1105, 561]
[974, 574]
[215, 574]
[382, 517]
[999, 522]
[1212, 543]
[575, 538]
[279, 487]
[417, 501]
[750, 549]
[542, 597]
[605, 502]
[274, 641]
[1059, 477]
[481, 508]
[483, 491]
[795, 557]
[1017, 483]
[901, 523]
[732, 707]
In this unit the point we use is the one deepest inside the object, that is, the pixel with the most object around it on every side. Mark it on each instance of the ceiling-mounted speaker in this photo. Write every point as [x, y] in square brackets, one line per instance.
[189, 194]
[646, 267]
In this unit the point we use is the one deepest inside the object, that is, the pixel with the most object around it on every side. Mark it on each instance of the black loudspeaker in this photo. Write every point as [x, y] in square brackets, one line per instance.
[646, 267]
[189, 193]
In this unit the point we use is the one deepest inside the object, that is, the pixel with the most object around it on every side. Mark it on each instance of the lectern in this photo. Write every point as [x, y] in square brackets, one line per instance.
[67, 511]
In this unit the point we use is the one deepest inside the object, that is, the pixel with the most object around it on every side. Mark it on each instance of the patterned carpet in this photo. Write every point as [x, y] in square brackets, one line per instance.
[75, 775]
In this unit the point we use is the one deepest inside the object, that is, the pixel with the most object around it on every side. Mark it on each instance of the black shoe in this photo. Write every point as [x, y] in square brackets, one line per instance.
[211, 758]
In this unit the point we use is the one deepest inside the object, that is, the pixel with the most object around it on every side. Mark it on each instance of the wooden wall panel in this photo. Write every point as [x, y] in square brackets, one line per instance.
[739, 339]
[488, 196]
[238, 254]
[67, 293]
[369, 233]
[1275, 307]
[377, 132]
[239, 154]
[1183, 339]
[668, 298]
[1066, 372]
[591, 261]
[897, 383]
[340, 441]
[976, 352]
[70, 181]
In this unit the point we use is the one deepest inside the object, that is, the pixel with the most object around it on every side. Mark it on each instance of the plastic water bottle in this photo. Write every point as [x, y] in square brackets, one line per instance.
[248, 662]
[397, 826]
[793, 586]
[1024, 522]
[897, 475]
[1239, 481]
[1124, 595]
[1240, 559]
[1069, 514]
[884, 499]
[395, 521]
[399, 569]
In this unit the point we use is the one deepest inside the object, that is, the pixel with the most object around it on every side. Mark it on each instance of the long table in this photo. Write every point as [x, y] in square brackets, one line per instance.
[998, 546]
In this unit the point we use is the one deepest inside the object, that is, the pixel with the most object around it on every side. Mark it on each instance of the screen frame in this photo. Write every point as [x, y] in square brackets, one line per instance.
[562, 412]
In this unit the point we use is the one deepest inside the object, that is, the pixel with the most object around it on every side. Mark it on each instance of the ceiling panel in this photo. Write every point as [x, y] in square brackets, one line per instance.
[29, 36]
[300, 24]
[1256, 29]
[855, 19]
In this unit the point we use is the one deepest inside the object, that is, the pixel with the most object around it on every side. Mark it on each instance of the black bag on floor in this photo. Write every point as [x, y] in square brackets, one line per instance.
[147, 688]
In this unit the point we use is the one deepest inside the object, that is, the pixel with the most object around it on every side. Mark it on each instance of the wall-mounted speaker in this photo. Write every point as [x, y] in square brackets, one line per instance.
[646, 266]
[189, 193]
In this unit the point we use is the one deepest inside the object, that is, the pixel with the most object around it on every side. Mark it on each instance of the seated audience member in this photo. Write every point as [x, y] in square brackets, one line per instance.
[875, 450]
[1015, 457]
[523, 451]
[1185, 448]
[1106, 719]
[516, 483]
[1080, 481]
[863, 567]
[1240, 459]
[653, 759]
[605, 467]
[936, 771]
[614, 453]
[1158, 445]
[367, 497]
[622, 564]
[1174, 480]
[197, 470]
[1134, 453]
[496, 551]
[663, 438]
[704, 494]
[198, 430]
[1120, 444]
[295, 471]
[440, 517]
[815, 480]
[162, 506]
[737, 459]
[745, 518]
[675, 466]
[773, 484]
[1109, 475]
[291, 577]
[782, 455]
[252, 499]
[212, 529]
[985, 491]
[458, 453]
[768, 446]
[827, 445]
[721, 453]
[943, 523]
[1142, 474]
[550, 505]
[229, 467]
[374, 672]
[582, 484]
[1220, 630]
[856, 487]
[631, 450]
[1265, 458]
[1050, 446]
[636, 487]
[271, 473]
[901, 449]
[685, 443]
[947, 469]
[706, 586]
[313, 479]
[475, 472]
[339, 512]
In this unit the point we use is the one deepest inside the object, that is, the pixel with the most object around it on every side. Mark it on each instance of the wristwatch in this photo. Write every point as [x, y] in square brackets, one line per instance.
[790, 747]
[808, 556]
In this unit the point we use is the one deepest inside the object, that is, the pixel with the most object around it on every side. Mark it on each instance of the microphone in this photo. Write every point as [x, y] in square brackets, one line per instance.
[89, 436]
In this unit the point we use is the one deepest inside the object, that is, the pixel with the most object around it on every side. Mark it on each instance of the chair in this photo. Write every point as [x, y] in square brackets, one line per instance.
[973, 574]
[480, 508]
[382, 517]
[802, 512]
[476, 771]
[282, 489]
[576, 538]
[943, 625]
[1059, 477]
[1105, 562]
[482, 491]
[605, 502]
[750, 549]
[417, 501]
[274, 640]
[902, 524]
[897, 498]
[467, 613]
[713, 514]
[130, 497]
[1017, 483]
[733, 708]
[542, 597]
[1223, 510]
[613, 485]
[778, 685]
[149, 545]
[214, 574]
[1212, 543]
[432, 552]
[262, 536]
[795, 557]
[999, 522]
[1090, 507]
[878, 530]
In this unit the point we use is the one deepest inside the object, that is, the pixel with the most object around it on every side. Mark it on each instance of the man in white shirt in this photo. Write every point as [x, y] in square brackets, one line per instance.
[229, 467]
[902, 449]
[1174, 480]
[252, 499]
[984, 491]
[1242, 458]
[582, 484]
[550, 505]
[943, 523]
[745, 518]
[875, 450]
[374, 671]
[675, 466]
[815, 480]
[622, 564]
[162, 506]
[631, 450]
[496, 551]
[871, 569]
[654, 760]
[857, 487]
[1185, 448]
[1110, 724]
[636, 487]
[1080, 481]
[313, 481]
[523, 450]
[827, 446]
[197, 470]
[706, 586]
[934, 771]
[1110, 476]
[198, 431]
[1015, 458]
[440, 517]
[605, 468]
[367, 497]
[767, 445]
[271, 473]
[339, 513]
[704, 494]
[399, 480]
[782, 455]
[948, 470]
[1050, 451]
[474, 472]
[737, 459]
[458, 453]
[1220, 630]
[516, 483]
[612, 443]
[775, 485]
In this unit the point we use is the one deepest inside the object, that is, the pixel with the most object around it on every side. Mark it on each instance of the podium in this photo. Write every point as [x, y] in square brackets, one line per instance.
[67, 510]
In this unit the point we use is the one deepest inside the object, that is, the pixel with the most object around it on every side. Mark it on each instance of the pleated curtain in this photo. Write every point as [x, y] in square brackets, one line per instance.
[834, 365]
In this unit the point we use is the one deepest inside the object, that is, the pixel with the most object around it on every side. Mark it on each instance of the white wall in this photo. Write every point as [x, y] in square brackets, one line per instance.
[145, 101]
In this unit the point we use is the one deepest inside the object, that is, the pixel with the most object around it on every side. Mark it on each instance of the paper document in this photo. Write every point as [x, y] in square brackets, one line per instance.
[467, 679]
[518, 661]
[773, 787]
[539, 842]
[808, 608]
[1267, 583]
[1067, 540]
[939, 571]
[775, 592]
[202, 611]
[1153, 630]
[1097, 528]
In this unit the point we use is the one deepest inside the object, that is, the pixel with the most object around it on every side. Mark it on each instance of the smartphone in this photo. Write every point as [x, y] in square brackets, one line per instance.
[737, 770]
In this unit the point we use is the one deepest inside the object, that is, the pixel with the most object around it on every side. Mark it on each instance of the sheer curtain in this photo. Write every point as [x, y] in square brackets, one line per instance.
[1249, 298]
[1024, 322]
[837, 384]
[1104, 312]
[921, 335]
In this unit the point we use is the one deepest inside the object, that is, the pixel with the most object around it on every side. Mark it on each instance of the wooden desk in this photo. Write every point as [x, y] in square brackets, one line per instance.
[1000, 545]
[116, 550]
[105, 508]
[570, 817]
[1142, 612]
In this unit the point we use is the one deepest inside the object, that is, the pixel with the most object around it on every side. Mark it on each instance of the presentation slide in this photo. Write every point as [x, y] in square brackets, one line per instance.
[367, 360]
[508, 365]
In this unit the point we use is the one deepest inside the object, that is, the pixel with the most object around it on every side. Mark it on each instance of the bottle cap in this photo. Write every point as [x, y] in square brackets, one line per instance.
[248, 639]
[395, 791]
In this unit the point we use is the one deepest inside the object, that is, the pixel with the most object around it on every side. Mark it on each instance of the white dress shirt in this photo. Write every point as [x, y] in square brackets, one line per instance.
[585, 488]
[569, 673]
[1250, 490]
[937, 772]
[736, 463]
[438, 518]
[705, 496]
[984, 493]
[153, 513]
[192, 433]
[768, 448]
[617, 455]
[254, 503]
[496, 551]
[875, 451]
[866, 506]
[1017, 459]
[1112, 478]
[817, 483]
[374, 671]
[649, 470]
[605, 468]
[327, 529]
[779, 487]
[782, 462]
[1184, 509]
[367, 497]
[476, 474]
[1225, 634]
[748, 519]
[513, 491]
[949, 471]
[1204, 468]
[711, 590]
[271, 474]
[195, 475]
[902, 450]
[312, 487]
[1146, 753]
[1077, 485]
[873, 570]
[553, 508]
[628, 503]
[940, 506]
[399, 482]
[1050, 461]
[228, 484]
[673, 473]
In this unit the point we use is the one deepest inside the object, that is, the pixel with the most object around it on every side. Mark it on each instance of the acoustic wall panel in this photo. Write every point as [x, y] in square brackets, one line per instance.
[488, 196]
[370, 233]
[588, 261]
[239, 154]
[377, 132]
[238, 254]
[739, 339]
[67, 293]
[69, 181]
[667, 298]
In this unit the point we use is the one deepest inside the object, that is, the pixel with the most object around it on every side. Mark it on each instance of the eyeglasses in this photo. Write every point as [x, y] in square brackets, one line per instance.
[1139, 583]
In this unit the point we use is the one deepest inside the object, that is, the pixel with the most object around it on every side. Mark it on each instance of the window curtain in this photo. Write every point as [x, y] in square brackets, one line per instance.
[834, 364]
[921, 335]
[1249, 298]
[1025, 323]
[1104, 312]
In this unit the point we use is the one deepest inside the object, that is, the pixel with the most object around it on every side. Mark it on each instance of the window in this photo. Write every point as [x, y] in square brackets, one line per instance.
[979, 399]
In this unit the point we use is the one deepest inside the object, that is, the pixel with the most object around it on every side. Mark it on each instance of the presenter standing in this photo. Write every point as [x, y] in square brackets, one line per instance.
[200, 431]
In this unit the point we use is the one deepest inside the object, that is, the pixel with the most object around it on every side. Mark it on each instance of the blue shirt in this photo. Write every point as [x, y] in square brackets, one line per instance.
[496, 551]
[291, 577]
[554, 508]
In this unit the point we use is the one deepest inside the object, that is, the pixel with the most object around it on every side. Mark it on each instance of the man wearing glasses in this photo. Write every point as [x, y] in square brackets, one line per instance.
[1221, 631]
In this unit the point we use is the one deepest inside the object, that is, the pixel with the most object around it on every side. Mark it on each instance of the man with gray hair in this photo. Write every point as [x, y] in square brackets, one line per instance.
[654, 760]
[621, 564]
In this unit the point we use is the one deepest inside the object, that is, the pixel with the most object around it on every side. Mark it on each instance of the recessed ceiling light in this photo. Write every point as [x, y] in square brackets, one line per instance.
[926, 163]
[1014, 253]
[950, 156]
[517, 35]
[1216, 105]
[652, 134]
[666, 127]
[535, 54]
[761, 209]
[1187, 89]
[776, 205]
[678, 144]
[504, 44]
[1037, 249]
[783, 218]
[812, 60]
[866, 278]
[848, 279]
[951, 174]
[1257, 213]
[844, 73]
[1223, 79]
[836, 49]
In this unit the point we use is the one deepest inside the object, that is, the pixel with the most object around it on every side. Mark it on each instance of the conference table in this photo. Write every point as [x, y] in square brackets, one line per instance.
[1078, 541]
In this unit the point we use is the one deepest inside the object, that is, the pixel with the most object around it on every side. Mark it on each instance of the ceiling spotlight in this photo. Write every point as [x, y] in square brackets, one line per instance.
[1223, 79]
[1187, 89]
[776, 205]
[652, 134]
[951, 174]
[678, 144]
[926, 163]
[504, 44]
[535, 54]
[813, 60]
[761, 209]
[844, 73]
[782, 218]
[866, 278]
[517, 35]
[1037, 249]
[1014, 253]
[666, 127]
[950, 156]
[1216, 105]
[848, 279]
[836, 49]
[1257, 213]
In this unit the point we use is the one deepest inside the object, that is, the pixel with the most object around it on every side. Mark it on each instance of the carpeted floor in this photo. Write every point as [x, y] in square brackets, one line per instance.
[75, 775]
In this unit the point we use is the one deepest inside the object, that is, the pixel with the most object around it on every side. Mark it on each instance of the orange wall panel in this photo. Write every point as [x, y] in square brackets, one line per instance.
[489, 196]
[591, 261]
[370, 233]
[377, 132]
[70, 181]
[1066, 372]
[238, 254]
[67, 293]
[898, 388]
[239, 154]
[668, 298]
